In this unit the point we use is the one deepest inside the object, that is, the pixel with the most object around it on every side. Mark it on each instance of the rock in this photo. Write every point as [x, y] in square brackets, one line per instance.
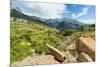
[71, 47]
[43, 59]
[36, 60]
[83, 57]
[56, 53]
[69, 57]
[87, 45]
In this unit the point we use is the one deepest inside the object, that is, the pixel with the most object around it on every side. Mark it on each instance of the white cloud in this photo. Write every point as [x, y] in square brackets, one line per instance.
[73, 15]
[82, 13]
[88, 21]
[45, 10]
[74, 5]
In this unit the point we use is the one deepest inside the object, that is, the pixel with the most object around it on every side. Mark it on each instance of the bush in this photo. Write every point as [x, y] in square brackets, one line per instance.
[25, 36]
[19, 50]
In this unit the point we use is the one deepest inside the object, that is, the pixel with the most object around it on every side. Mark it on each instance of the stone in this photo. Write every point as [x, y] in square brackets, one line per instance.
[87, 45]
[56, 53]
[83, 57]
[36, 60]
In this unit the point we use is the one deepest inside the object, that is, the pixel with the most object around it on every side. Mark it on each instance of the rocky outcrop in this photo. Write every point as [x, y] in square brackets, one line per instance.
[83, 57]
[56, 53]
[86, 45]
[36, 60]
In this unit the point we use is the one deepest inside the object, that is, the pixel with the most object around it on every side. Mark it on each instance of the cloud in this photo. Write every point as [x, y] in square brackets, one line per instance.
[43, 10]
[88, 21]
[73, 15]
[82, 13]
[74, 5]
[47, 10]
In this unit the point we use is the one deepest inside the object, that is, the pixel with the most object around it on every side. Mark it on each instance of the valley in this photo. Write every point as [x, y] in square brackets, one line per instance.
[30, 34]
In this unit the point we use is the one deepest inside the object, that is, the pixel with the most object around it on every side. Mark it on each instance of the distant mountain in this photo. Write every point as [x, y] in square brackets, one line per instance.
[63, 23]
[18, 14]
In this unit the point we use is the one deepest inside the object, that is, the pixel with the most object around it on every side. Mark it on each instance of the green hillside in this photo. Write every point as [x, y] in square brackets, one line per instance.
[31, 38]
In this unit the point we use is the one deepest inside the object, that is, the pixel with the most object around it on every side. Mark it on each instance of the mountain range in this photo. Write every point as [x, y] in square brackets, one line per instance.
[62, 23]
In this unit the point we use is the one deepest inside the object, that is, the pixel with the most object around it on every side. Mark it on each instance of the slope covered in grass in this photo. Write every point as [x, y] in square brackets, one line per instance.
[31, 38]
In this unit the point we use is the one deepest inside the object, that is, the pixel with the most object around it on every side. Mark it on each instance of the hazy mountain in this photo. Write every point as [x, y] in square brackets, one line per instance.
[63, 23]
[18, 14]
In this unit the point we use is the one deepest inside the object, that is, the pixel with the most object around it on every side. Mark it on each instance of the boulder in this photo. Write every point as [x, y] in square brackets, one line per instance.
[83, 57]
[87, 45]
[56, 53]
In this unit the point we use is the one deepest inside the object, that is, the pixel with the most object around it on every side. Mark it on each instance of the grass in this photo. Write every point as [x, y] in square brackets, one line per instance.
[31, 36]
[28, 39]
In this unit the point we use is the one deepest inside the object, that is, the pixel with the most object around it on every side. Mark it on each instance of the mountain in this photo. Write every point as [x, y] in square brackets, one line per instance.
[63, 23]
[19, 15]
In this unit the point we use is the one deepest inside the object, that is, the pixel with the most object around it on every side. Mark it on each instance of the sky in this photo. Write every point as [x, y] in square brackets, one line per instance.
[83, 13]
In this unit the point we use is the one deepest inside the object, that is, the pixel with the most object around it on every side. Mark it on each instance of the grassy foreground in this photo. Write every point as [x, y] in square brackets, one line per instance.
[30, 38]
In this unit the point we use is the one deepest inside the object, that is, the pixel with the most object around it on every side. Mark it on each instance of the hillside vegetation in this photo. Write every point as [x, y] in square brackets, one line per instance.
[31, 38]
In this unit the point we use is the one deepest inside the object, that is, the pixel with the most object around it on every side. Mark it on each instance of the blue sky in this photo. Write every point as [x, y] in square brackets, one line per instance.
[83, 13]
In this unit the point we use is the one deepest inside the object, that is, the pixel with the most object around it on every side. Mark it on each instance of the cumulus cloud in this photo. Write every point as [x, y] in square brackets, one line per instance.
[73, 15]
[47, 10]
[82, 13]
[88, 21]
[43, 10]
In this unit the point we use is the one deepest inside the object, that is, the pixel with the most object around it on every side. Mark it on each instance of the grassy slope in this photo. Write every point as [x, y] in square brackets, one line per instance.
[31, 38]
